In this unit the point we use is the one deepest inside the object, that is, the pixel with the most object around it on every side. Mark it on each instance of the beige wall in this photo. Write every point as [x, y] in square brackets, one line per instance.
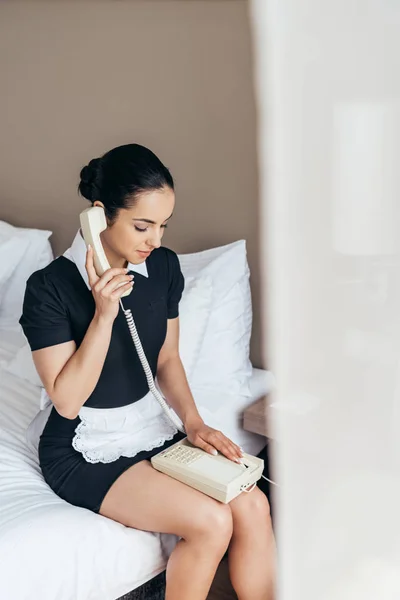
[78, 78]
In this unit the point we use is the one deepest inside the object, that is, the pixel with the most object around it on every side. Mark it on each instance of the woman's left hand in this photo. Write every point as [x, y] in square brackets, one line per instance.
[211, 440]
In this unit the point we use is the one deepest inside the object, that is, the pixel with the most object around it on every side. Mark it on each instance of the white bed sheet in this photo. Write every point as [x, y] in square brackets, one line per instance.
[50, 549]
[10, 341]
[225, 411]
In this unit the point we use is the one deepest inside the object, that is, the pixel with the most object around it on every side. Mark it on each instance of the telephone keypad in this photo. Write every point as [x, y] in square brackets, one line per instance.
[182, 454]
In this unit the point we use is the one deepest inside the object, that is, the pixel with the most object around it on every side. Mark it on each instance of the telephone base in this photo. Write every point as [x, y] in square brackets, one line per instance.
[215, 476]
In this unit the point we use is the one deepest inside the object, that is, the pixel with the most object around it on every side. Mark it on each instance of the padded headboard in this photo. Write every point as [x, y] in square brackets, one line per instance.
[174, 76]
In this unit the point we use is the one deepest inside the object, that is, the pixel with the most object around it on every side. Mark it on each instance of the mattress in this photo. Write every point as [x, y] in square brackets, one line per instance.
[50, 549]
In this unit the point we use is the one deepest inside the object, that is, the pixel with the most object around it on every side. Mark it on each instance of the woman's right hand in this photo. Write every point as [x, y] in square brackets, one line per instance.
[105, 289]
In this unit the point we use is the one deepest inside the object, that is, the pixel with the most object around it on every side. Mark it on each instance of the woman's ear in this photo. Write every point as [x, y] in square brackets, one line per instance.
[98, 203]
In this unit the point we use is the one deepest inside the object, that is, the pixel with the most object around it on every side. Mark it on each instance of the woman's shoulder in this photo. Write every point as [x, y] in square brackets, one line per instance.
[45, 318]
[166, 260]
[172, 276]
[59, 269]
[163, 254]
[165, 257]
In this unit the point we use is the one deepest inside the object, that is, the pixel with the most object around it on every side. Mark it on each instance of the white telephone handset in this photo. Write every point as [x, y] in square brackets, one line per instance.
[215, 476]
[93, 222]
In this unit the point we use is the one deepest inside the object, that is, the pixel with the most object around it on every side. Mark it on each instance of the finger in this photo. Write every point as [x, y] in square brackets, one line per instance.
[89, 265]
[235, 449]
[223, 445]
[121, 291]
[226, 450]
[114, 284]
[200, 443]
[109, 276]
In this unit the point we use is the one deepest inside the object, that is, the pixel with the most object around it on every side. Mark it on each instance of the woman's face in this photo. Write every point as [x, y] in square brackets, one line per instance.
[138, 230]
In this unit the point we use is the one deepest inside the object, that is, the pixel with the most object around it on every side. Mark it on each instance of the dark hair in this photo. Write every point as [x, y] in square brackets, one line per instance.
[120, 175]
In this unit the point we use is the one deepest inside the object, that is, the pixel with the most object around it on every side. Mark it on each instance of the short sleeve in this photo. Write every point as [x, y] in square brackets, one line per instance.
[44, 319]
[175, 286]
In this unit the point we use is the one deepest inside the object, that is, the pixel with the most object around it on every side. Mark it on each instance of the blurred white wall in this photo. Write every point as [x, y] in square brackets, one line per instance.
[328, 87]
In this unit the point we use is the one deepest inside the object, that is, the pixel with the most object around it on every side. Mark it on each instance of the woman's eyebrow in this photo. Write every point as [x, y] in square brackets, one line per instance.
[149, 220]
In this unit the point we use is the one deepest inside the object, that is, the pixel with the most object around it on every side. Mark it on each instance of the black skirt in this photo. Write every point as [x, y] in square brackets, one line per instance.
[70, 476]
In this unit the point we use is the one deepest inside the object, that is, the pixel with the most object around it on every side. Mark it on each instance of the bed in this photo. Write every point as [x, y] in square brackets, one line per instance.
[50, 549]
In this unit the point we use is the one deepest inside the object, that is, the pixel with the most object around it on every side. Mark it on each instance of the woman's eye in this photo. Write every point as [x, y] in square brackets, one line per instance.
[146, 228]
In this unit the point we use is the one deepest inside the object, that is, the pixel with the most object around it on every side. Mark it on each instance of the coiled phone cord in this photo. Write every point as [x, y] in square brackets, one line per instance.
[147, 370]
[150, 380]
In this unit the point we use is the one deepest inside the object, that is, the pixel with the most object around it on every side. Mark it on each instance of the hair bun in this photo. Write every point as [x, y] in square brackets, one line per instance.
[88, 186]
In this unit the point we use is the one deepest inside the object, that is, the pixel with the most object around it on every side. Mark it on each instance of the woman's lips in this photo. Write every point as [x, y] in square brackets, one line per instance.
[143, 254]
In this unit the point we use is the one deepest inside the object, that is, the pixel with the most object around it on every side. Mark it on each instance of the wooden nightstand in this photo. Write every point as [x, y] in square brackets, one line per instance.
[255, 417]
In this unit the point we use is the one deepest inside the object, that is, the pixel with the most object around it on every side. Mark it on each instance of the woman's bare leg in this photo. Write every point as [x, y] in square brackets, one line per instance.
[252, 549]
[146, 499]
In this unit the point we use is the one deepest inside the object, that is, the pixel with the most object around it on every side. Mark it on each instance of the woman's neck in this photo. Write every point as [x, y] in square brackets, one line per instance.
[114, 259]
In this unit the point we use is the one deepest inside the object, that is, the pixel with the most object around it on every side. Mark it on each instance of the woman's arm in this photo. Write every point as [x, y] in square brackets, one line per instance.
[70, 375]
[172, 380]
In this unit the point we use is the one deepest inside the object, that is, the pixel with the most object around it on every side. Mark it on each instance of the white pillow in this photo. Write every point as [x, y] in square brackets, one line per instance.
[215, 322]
[194, 313]
[12, 251]
[32, 251]
[224, 363]
[22, 366]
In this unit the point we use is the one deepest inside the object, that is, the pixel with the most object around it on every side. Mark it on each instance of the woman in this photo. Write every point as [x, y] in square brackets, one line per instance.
[105, 425]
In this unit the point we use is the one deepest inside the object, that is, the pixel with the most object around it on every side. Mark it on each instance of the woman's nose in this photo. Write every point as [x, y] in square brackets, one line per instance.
[154, 240]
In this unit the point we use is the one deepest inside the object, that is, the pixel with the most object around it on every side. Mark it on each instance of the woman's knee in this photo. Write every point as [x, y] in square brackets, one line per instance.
[251, 508]
[212, 522]
[259, 504]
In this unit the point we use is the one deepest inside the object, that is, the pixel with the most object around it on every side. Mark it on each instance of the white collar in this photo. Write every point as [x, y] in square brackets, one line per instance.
[77, 254]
